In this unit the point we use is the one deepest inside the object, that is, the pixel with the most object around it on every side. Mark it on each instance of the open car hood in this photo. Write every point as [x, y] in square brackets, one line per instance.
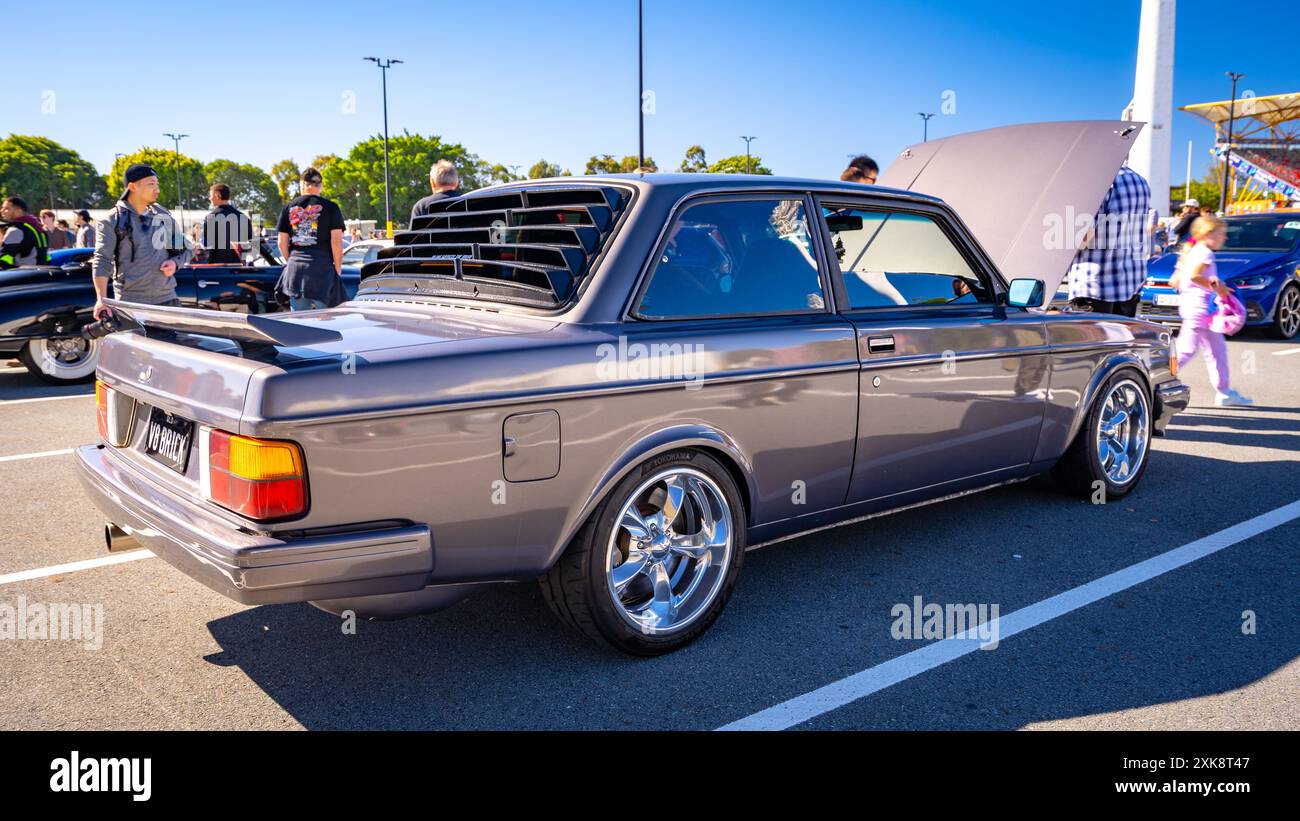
[1020, 188]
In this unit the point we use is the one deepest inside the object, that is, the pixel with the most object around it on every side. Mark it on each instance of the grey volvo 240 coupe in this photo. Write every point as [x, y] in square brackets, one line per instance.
[619, 384]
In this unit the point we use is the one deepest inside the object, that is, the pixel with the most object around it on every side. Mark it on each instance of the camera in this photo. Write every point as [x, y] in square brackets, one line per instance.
[102, 328]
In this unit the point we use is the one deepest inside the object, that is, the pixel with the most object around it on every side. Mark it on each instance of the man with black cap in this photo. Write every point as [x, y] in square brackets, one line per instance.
[139, 246]
[311, 241]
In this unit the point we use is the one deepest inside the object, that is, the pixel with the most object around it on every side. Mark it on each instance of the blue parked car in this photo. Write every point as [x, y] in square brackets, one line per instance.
[1260, 260]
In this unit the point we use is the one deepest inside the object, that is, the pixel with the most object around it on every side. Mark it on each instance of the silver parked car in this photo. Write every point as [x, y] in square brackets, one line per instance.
[619, 384]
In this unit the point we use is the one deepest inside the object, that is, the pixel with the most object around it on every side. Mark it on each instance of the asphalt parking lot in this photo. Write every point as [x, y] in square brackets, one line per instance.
[1165, 652]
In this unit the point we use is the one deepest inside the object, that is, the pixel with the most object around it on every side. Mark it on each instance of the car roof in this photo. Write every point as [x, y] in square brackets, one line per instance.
[686, 183]
[1263, 215]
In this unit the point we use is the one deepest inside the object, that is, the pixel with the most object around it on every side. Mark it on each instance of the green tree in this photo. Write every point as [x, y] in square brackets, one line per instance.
[630, 164]
[498, 173]
[251, 188]
[1205, 190]
[47, 174]
[356, 181]
[738, 164]
[694, 161]
[194, 183]
[542, 169]
[287, 177]
[604, 164]
[323, 161]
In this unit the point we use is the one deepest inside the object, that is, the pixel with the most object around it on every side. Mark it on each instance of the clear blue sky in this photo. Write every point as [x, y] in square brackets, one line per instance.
[518, 81]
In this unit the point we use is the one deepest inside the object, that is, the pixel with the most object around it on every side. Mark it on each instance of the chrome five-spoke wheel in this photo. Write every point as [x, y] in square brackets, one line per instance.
[668, 554]
[1123, 432]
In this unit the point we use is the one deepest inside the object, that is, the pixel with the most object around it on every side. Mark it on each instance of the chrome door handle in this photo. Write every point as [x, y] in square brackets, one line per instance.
[203, 283]
[880, 344]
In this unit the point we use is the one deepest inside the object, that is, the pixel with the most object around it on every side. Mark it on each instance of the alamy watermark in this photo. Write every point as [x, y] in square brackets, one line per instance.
[919, 621]
[638, 361]
[53, 621]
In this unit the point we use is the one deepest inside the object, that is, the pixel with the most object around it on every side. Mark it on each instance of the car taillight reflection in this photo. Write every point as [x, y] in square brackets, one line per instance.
[114, 415]
[256, 478]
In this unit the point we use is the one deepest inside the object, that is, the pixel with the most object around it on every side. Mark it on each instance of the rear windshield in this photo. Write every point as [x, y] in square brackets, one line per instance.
[525, 245]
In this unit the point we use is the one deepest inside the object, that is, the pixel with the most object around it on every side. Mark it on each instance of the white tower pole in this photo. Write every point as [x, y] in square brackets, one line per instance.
[1153, 99]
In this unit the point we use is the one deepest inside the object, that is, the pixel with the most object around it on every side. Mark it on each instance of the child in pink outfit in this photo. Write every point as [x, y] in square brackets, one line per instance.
[1197, 280]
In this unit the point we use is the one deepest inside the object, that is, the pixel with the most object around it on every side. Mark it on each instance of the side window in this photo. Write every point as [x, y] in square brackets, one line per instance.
[892, 258]
[354, 256]
[736, 257]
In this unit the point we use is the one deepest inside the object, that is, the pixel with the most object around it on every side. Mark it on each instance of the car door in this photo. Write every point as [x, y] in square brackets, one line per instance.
[738, 293]
[953, 383]
[241, 288]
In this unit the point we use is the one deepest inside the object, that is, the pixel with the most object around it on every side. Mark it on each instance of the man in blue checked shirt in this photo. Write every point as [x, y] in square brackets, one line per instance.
[1108, 271]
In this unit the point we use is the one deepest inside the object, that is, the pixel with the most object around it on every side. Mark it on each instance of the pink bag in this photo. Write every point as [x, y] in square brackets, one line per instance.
[1230, 318]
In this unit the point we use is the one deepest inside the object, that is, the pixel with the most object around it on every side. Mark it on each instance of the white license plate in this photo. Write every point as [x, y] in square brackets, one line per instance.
[1167, 300]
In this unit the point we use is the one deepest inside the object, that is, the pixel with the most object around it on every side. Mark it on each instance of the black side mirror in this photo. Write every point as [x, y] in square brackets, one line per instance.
[1026, 293]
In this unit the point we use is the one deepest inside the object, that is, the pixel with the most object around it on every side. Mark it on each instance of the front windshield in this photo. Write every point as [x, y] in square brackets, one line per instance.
[1263, 235]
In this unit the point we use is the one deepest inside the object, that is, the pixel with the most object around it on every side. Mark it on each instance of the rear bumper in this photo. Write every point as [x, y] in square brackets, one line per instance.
[247, 567]
[1171, 398]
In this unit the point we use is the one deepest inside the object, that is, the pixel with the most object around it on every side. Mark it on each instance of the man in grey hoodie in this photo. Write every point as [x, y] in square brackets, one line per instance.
[138, 246]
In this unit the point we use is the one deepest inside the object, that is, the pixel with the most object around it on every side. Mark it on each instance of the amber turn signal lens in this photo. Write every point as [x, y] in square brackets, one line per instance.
[101, 409]
[114, 415]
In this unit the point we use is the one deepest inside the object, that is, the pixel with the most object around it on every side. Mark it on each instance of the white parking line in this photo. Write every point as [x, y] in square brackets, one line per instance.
[1287, 352]
[874, 679]
[73, 567]
[47, 398]
[20, 456]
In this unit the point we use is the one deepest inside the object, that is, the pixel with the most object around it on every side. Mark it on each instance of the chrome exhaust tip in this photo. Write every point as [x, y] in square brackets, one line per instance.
[116, 539]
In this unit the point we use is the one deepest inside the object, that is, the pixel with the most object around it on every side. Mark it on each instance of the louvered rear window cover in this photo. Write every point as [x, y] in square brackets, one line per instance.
[529, 245]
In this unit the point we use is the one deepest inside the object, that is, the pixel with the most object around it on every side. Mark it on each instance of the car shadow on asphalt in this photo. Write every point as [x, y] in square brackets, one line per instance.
[813, 610]
[23, 384]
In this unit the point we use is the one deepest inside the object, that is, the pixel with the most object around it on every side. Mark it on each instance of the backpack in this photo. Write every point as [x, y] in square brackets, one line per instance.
[122, 230]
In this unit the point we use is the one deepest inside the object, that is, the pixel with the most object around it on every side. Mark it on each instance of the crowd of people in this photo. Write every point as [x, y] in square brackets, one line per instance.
[139, 248]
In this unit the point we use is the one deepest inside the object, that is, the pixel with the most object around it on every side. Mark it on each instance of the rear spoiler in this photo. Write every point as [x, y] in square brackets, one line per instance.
[246, 329]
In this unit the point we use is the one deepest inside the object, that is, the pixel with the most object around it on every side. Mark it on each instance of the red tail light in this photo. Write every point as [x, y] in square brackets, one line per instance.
[256, 478]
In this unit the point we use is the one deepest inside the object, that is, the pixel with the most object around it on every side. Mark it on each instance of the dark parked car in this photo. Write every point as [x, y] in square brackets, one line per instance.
[619, 384]
[44, 307]
[1260, 261]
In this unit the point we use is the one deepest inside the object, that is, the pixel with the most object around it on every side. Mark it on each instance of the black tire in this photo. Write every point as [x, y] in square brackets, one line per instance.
[1079, 470]
[577, 587]
[1286, 322]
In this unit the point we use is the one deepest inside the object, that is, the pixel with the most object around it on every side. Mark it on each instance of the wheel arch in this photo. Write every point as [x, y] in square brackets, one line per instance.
[1113, 364]
[695, 437]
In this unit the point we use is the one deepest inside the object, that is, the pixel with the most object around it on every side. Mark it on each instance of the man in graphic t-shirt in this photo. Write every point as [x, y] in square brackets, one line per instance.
[311, 241]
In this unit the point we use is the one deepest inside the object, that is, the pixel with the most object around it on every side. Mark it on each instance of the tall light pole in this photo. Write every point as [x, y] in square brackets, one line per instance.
[384, 64]
[640, 83]
[180, 197]
[925, 125]
[1227, 151]
[748, 167]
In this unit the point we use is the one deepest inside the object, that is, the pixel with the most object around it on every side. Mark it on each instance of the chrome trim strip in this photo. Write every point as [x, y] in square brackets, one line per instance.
[887, 512]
